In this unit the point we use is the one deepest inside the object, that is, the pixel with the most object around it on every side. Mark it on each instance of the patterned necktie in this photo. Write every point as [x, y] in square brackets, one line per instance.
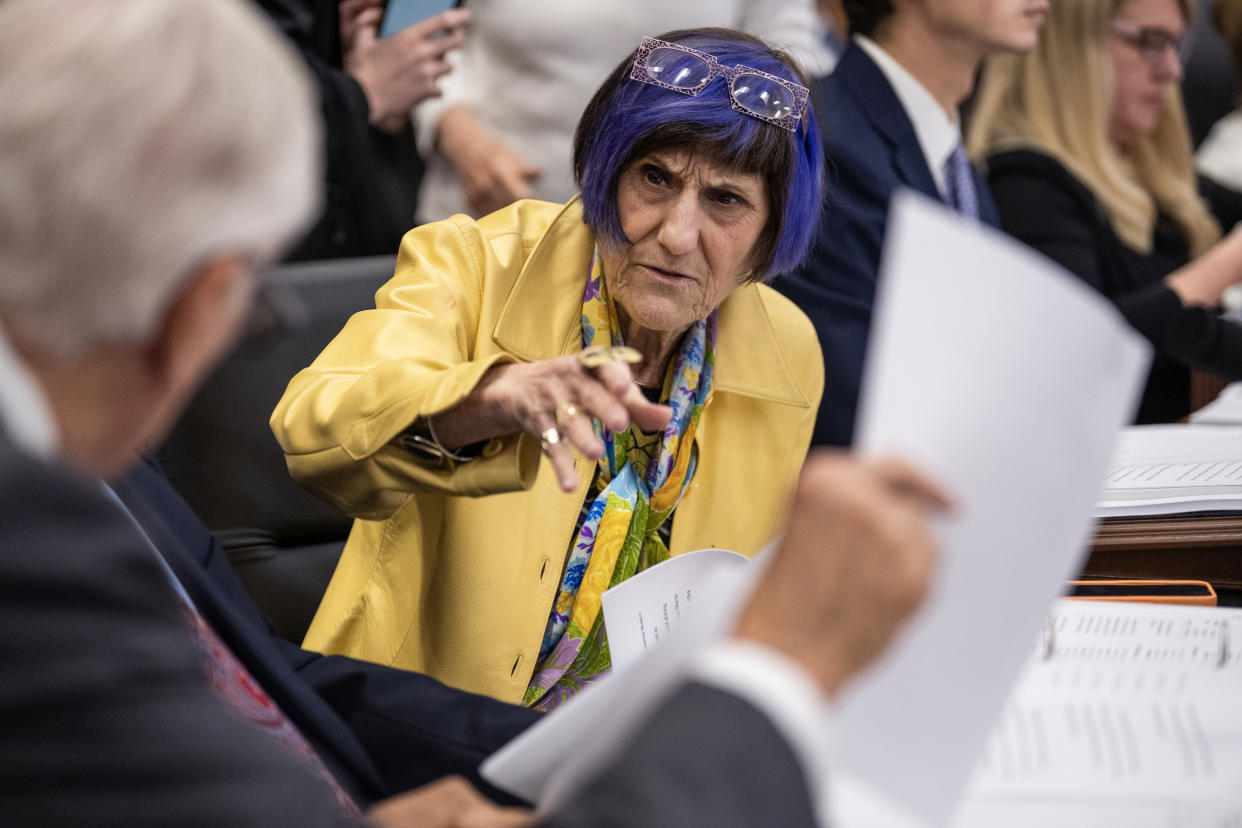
[235, 685]
[232, 682]
[960, 182]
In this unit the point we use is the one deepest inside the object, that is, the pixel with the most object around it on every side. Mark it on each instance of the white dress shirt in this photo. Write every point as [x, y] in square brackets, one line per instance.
[25, 414]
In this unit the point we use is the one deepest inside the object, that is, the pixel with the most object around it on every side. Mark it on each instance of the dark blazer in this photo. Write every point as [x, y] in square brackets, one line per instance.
[381, 730]
[707, 759]
[105, 716]
[106, 719]
[871, 150]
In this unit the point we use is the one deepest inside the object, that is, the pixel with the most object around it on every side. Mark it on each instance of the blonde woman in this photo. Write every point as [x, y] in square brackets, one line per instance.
[1089, 161]
[1220, 155]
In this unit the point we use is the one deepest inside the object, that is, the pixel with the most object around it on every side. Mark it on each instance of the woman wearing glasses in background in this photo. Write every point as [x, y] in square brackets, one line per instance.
[1089, 160]
[611, 373]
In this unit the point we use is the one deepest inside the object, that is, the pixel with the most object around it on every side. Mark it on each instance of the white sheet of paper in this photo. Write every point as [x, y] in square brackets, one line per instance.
[1006, 380]
[641, 612]
[1172, 469]
[549, 760]
[1070, 812]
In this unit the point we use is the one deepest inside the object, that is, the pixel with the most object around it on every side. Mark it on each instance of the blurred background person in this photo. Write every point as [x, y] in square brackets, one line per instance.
[479, 354]
[1089, 160]
[503, 128]
[1220, 155]
[889, 119]
[367, 86]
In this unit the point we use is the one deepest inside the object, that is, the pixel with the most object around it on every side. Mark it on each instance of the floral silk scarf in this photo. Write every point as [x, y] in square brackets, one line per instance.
[638, 491]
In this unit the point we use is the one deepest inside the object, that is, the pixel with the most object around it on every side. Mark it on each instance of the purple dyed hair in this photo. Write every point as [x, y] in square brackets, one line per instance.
[627, 119]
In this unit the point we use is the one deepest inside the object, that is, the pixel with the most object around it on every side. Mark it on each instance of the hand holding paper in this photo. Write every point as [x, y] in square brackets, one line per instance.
[856, 560]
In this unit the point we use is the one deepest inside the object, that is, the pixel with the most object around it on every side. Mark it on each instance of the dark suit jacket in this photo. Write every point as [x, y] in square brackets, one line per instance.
[105, 717]
[707, 759]
[381, 730]
[872, 150]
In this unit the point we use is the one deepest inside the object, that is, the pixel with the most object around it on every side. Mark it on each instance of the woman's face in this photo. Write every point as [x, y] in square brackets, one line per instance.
[1143, 43]
[692, 226]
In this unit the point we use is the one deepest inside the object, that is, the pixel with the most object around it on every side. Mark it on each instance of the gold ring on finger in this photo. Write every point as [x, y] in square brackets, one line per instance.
[564, 411]
[598, 356]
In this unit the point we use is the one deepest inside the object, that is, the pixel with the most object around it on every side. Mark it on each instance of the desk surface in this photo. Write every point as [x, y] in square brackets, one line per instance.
[1200, 547]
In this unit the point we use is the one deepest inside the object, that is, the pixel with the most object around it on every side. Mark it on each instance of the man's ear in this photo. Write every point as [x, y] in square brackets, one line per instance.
[202, 321]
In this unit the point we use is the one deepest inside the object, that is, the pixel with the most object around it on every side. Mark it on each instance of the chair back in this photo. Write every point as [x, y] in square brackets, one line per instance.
[222, 458]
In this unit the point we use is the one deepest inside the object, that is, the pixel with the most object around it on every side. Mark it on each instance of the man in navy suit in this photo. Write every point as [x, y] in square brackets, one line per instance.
[888, 119]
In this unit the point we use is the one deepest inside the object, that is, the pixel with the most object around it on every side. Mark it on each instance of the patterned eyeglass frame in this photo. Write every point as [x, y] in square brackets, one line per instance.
[797, 92]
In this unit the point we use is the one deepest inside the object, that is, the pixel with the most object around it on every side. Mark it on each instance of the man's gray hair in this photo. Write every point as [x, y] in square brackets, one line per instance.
[138, 139]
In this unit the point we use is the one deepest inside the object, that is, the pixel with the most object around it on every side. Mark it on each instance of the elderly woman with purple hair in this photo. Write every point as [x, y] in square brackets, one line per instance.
[554, 397]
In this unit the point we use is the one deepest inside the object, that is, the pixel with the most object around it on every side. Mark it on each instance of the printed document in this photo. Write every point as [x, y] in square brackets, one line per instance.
[641, 612]
[1123, 709]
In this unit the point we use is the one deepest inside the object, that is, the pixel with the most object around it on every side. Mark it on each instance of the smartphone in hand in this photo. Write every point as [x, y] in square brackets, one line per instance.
[401, 13]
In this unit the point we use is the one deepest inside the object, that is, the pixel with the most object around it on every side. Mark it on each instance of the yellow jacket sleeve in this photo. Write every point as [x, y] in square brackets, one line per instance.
[419, 352]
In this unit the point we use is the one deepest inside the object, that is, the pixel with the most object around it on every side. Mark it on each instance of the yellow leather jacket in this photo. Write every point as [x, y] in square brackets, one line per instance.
[439, 579]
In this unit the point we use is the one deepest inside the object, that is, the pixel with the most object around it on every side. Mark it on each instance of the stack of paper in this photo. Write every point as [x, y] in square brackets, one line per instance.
[1174, 469]
[1126, 714]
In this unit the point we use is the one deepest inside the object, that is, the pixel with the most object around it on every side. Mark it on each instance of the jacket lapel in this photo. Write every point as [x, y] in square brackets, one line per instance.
[537, 322]
[861, 78]
[236, 620]
[987, 207]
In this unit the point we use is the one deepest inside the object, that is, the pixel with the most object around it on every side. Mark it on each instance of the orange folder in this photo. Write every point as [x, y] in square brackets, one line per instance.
[1195, 593]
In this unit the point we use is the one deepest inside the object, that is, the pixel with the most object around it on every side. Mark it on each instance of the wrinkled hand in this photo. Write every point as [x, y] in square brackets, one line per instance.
[535, 396]
[448, 803]
[856, 561]
[397, 72]
[492, 174]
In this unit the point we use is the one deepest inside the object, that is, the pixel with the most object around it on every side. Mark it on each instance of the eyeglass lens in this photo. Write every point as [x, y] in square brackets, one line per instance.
[677, 68]
[762, 96]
